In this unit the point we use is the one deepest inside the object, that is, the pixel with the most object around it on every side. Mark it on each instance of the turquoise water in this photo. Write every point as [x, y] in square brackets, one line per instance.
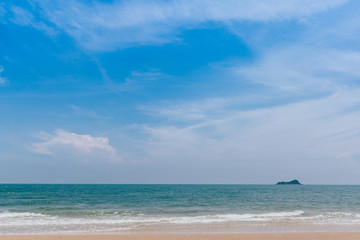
[41, 209]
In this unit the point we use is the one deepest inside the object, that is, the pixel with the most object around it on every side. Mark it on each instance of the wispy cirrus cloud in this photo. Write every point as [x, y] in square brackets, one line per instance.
[2, 10]
[81, 111]
[315, 122]
[2, 79]
[23, 17]
[189, 110]
[134, 81]
[304, 69]
[85, 145]
[312, 73]
[298, 136]
[108, 26]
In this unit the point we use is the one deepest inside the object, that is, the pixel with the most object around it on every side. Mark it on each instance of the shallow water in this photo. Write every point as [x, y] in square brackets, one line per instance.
[43, 209]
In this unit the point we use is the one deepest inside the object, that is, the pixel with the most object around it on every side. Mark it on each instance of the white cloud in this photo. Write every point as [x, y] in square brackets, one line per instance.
[314, 130]
[23, 17]
[289, 74]
[189, 110]
[107, 26]
[304, 70]
[87, 145]
[317, 129]
[2, 10]
[134, 81]
[81, 111]
[2, 79]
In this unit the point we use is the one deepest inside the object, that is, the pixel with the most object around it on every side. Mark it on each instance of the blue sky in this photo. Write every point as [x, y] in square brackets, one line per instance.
[179, 91]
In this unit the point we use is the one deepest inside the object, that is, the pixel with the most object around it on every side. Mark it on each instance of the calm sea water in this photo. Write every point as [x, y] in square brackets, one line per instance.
[47, 209]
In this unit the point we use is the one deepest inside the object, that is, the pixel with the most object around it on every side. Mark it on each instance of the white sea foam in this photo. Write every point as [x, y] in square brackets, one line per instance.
[36, 218]
[17, 215]
[27, 222]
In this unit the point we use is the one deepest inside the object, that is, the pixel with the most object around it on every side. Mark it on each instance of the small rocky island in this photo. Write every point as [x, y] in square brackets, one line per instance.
[293, 182]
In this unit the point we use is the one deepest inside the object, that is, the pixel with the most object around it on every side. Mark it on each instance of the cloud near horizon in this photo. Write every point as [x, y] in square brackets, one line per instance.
[86, 145]
[315, 122]
[313, 132]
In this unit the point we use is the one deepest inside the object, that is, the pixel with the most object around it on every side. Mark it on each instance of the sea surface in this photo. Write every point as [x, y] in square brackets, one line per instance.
[72, 209]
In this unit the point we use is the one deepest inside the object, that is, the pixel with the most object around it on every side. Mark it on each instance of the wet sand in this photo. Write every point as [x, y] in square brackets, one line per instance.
[267, 236]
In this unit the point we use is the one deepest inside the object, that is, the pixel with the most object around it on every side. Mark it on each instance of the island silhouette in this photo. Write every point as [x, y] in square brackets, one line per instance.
[293, 182]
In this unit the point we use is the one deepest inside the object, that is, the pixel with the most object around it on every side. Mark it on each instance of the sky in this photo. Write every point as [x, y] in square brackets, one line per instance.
[179, 91]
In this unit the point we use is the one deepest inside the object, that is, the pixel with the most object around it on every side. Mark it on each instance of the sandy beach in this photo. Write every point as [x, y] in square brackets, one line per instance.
[275, 236]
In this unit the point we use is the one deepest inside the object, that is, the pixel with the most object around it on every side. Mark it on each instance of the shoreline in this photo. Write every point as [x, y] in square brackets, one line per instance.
[192, 236]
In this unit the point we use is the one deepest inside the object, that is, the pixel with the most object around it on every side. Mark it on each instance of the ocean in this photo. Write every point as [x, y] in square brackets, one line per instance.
[96, 208]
